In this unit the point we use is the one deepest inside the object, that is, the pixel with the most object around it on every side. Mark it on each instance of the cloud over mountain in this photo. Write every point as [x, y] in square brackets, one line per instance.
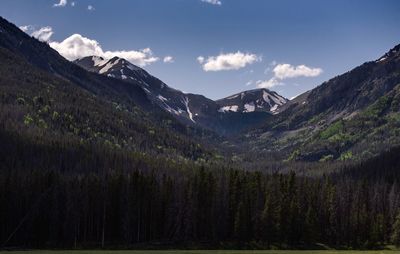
[230, 61]
[42, 34]
[286, 71]
[78, 46]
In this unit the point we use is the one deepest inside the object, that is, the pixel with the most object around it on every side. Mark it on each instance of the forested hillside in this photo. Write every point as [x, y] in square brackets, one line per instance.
[69, 103]
[353, 116]
[99, 198]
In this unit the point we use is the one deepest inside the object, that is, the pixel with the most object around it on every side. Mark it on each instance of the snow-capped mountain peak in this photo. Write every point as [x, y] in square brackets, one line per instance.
[190, 108]
[171, 100]
[258, 100]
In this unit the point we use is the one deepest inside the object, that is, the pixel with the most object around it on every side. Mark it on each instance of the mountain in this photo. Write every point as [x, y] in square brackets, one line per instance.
[47, 59]
[171, 100]
[354, 115]
[46, 98]
[348, 93]
[192, 109]
[257, 100]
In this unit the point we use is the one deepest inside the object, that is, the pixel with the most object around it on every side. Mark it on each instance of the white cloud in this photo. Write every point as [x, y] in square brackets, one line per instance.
[284, 71]
[214, 2]
[231, 61]
[62, 3]
[270, 65]
[78, 46]
[168, 59]
[26, 29]
[73, 4]
[141, 57]
[200, 59]
[90, 8]
[43, 34]
[269, 83]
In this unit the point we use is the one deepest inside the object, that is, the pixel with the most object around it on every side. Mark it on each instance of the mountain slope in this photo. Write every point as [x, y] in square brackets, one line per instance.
[167, 98]
[191, 109]
[45, 58]
[348, 93]
[45, 97]
[258, 100]
[350, 116]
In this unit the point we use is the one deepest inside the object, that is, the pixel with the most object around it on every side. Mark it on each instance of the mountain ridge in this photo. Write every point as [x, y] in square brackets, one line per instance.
[324, 122]
[353, 115]
[260, 100]
[192, 109]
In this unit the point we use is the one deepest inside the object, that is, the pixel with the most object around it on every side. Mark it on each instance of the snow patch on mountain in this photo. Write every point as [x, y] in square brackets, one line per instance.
[233, 108]
[274, 108]
[107, 67]
[266, 97]
[233, 97]
[249, 107]
[162, 98]
[278, 100]
[381, 59]
[260, 100]
[99, 61]
[186, 101]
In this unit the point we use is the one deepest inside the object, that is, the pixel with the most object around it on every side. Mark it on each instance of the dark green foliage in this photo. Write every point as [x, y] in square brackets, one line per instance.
[396, 231]
[69, 195]
[333, 129]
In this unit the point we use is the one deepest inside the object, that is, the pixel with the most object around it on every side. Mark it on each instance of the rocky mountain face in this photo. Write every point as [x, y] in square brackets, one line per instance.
[167, 98]
[258, 100]
[226, 116]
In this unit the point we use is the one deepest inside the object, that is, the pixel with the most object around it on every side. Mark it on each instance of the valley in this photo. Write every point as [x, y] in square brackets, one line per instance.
[96, 153]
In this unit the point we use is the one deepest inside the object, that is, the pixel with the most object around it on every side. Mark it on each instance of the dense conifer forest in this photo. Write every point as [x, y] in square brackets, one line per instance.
[72, 196]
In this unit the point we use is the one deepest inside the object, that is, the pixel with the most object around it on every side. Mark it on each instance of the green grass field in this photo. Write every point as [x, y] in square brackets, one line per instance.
[204, 252]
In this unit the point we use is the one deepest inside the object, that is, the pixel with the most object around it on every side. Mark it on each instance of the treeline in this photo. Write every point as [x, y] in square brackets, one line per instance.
[205, 206]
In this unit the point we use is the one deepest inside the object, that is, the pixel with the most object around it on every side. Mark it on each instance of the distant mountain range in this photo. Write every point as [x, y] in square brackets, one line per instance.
[191, 108]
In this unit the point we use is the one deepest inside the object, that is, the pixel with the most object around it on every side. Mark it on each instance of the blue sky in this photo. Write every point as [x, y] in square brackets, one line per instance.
[220, 47]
